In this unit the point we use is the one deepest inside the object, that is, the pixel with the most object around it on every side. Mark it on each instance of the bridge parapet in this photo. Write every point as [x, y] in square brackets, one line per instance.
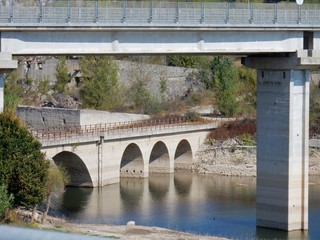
[149, 13]
[88, 133]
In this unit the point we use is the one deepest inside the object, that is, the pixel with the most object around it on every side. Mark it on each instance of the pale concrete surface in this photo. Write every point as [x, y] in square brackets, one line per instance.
[282, 148]
[151, 41]
[44, 118]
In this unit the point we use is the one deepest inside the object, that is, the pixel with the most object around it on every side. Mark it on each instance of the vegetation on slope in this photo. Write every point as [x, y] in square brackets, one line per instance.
[23, 168]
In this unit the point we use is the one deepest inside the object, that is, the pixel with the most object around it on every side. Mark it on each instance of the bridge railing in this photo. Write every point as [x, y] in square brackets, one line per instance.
[52, 134]
[148, 13]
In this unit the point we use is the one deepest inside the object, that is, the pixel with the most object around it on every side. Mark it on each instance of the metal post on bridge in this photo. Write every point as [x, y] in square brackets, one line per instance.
[275, 7]
[299, 2]
[69, 12]
[124, 10]
[202, 13]
[11, 11]
[227, 12]
[40, 12]
[151, 12]
[96, 20]
[177, 13]
[251, 12]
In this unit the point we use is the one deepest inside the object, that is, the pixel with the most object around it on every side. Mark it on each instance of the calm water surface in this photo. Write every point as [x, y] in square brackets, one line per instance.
[211, 205]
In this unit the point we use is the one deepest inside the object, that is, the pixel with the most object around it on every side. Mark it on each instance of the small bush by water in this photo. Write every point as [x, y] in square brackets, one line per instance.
[241, 128]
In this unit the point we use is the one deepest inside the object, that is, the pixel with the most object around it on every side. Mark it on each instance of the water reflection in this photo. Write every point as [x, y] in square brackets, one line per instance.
[182, 183]
[205, 204]
[159, 186]
[81, 195]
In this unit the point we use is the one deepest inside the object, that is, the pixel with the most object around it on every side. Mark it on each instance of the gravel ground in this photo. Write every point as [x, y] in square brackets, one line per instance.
[126, 232]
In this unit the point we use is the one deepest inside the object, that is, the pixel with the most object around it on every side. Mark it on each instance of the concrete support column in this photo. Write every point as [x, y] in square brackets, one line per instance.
[100, 158]
[282, 144]
[282, 150]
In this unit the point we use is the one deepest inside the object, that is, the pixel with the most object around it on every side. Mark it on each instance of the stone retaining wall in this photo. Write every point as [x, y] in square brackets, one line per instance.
[41, 118]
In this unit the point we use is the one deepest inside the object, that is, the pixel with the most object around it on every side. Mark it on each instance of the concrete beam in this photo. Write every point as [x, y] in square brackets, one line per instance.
[301, 59]
[151, 41]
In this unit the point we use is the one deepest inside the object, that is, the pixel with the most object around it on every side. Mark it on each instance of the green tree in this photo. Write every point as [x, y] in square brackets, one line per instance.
[62, 75]
[43, 86]
[14, 92]
[23, 168]
[100, 88]
[183, 61]
[57, 178]
[247, 90]
[5, 200]
[226, 79]
[141, 96]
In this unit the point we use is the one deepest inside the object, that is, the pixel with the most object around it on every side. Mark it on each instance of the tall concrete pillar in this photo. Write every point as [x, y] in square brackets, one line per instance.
[282, 143]
[6, 64]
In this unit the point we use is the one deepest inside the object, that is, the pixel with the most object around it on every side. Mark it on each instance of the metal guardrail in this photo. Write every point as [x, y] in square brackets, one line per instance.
[150, 13]
[52, 134]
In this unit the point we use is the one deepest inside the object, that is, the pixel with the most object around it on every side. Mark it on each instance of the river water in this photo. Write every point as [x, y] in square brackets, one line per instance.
[184, 201]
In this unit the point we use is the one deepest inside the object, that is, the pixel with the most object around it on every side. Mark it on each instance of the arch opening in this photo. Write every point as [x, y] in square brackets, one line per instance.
[159, 159]
[76, 169]
[132, 162]
[183, 155]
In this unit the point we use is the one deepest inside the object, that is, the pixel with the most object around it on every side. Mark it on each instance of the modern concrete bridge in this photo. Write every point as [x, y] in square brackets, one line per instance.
[281, 41]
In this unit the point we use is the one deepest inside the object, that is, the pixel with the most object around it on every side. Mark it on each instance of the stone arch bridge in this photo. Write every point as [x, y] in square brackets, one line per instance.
[99, 155]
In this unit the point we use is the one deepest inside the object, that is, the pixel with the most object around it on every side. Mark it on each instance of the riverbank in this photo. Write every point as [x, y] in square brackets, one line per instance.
[125, 232]
[228, 158]
[131, 232]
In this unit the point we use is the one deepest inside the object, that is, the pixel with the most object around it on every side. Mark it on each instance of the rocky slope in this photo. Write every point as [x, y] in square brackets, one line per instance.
[229, 159]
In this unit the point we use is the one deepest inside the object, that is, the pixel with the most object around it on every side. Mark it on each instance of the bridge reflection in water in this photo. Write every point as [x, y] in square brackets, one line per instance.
[206, 204]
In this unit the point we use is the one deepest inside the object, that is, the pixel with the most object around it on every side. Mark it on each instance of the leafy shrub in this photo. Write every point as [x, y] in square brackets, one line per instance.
[246, 139]
[23, 168]
[5, 200]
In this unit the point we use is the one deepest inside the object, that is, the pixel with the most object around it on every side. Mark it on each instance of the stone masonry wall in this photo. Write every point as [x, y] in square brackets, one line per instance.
[178, 79]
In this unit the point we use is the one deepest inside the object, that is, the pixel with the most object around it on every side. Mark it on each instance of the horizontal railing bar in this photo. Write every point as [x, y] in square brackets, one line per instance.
[50, 134]
[146, 13]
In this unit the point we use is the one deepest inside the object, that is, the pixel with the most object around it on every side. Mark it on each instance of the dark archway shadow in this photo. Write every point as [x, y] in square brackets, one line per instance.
[75, 167]
[183, 155]
[159, 159]
[132, 162]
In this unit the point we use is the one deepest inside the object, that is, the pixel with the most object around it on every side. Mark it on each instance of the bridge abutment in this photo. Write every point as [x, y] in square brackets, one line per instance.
[282, 143]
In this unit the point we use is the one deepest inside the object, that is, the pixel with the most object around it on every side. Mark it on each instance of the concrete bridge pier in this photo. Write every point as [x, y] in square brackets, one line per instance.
[6, 64]
[282, 142]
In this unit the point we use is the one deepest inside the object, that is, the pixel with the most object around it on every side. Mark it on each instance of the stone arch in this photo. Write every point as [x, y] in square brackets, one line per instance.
[159, 161]
[132, 164]
[183, 155]
[77, 170]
